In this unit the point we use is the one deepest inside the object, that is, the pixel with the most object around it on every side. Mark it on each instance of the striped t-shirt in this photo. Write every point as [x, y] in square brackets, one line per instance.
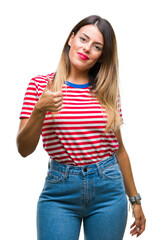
[75, 135]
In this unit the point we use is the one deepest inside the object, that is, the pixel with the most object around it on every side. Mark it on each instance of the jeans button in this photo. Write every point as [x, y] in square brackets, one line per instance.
[85, 169]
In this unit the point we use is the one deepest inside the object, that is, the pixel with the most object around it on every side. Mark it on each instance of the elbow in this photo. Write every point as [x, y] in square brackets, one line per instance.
[23, 154]
[21, 151]
[21, 148]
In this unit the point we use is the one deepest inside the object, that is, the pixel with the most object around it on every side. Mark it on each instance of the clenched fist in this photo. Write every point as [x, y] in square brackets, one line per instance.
[50, 101]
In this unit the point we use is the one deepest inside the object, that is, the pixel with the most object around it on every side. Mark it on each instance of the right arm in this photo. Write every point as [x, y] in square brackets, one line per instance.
[30, 129]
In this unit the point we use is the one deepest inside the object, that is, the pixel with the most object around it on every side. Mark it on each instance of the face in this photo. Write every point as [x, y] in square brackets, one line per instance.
[85, 47]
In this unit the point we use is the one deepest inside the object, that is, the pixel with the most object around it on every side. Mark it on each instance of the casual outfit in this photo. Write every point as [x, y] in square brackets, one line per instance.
[84, 180]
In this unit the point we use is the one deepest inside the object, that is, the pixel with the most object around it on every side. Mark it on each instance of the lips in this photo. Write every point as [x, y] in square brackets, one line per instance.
[82, 56]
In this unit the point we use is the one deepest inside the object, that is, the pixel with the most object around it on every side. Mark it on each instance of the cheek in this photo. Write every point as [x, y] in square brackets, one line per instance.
[96, 57]
[71, 53]
[72, 50]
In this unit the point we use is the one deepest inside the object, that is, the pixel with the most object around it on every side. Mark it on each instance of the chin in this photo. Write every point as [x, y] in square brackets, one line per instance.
[80, 67]
[83, 67]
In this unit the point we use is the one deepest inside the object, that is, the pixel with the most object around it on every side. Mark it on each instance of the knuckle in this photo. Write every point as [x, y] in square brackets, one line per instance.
[55, 100]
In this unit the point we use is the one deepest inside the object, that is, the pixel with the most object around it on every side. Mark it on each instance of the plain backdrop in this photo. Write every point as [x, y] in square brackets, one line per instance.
[32, 37]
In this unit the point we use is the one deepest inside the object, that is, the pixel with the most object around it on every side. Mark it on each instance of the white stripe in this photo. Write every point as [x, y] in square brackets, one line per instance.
[50, 136]
[82, 146]
[75, 125]
[88, 99]
[31, 91]
[60, 155]
[96, 135]
[31, 96]
[91, 161]
[80, 115]
[27, 112]
[28, 106]
[86, 145]
[81, 105]
[85, 94]
[80, 110]
[25, 115]
[53, 141]
[70, 120]
[30, 101]
[78, 151]
[71, 130]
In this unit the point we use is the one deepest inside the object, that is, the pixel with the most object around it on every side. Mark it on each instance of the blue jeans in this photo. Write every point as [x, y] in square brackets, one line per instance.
[94, 193]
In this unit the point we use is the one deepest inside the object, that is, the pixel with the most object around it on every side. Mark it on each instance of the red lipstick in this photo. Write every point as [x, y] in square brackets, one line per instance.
[83, 56]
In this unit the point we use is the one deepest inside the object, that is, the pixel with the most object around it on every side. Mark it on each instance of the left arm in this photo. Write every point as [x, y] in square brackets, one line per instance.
[125, 166]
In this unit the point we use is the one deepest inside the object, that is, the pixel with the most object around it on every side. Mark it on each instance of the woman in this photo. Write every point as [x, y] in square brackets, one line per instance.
[77, 110]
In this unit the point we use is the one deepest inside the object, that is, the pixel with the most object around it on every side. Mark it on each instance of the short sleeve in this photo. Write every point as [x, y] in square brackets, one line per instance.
[33, 92]
[119, 109]
[30, 99]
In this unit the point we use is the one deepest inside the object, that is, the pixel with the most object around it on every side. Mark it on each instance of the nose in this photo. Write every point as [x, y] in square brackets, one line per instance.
[87, 47]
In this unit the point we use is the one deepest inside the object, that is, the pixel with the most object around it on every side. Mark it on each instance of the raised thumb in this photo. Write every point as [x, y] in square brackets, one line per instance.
[49, 84]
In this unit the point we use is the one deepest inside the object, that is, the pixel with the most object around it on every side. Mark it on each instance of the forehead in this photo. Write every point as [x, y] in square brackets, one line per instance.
[92, 32]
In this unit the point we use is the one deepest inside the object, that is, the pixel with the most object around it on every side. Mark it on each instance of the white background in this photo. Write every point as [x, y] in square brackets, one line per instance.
[32, 37]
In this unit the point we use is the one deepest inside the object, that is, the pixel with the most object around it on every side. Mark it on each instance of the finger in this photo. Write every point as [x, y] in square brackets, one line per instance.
[133, 225]
[58, 100]
[133, 231]
[137, 230]
[57, 109]
[49, 84]
[59, 104]
[142, 229]
[138, 224]
[58, 94]
[54, 110]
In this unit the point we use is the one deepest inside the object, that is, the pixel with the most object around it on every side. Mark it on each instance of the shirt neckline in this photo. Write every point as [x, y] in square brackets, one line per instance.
[74, 85]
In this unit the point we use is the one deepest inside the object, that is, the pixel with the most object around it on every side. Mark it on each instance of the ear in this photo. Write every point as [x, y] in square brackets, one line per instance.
[71, 39]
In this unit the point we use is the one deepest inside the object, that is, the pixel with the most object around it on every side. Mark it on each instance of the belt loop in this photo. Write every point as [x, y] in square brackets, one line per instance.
[116, 157]
[66, 172]
[99, 169]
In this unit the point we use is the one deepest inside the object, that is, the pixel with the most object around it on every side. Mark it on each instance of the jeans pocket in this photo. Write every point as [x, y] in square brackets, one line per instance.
[54, 176]
[112, 172]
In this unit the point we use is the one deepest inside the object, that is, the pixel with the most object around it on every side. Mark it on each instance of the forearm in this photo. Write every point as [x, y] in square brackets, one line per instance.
[125, 167]
[28, 136]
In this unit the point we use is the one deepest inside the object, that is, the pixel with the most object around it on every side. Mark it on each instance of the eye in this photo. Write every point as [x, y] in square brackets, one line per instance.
[82, 39]
[97, 48]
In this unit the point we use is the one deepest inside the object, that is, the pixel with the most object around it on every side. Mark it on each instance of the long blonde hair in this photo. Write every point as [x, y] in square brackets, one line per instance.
[103, 75]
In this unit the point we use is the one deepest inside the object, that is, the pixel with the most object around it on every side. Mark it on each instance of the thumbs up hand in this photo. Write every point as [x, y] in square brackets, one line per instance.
[49, 100]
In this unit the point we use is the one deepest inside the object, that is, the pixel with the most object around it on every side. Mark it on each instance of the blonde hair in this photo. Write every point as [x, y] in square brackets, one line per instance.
[104, 74]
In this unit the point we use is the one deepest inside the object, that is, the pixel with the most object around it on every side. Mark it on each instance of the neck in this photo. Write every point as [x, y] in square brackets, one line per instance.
[78, 77]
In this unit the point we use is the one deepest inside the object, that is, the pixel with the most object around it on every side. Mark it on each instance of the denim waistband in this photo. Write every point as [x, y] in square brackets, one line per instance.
[86, 169]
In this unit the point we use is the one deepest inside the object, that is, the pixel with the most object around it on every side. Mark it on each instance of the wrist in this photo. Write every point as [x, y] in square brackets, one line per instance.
[135, 199]
[137, 202]
[39, 109]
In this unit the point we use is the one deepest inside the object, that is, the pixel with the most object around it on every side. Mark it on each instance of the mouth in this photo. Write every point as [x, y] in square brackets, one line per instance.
[82, 56]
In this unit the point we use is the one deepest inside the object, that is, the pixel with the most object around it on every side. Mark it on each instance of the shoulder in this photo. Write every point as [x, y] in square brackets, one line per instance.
[41, 79]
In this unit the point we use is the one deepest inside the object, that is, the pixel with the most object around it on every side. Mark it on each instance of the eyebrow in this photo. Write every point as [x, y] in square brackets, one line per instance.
[89, 38]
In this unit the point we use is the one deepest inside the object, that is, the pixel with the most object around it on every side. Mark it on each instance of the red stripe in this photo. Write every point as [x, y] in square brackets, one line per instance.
[79, 144]
[78, 103]
[77, 148]
[73, 123]
[30, 99]
[76, 159]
